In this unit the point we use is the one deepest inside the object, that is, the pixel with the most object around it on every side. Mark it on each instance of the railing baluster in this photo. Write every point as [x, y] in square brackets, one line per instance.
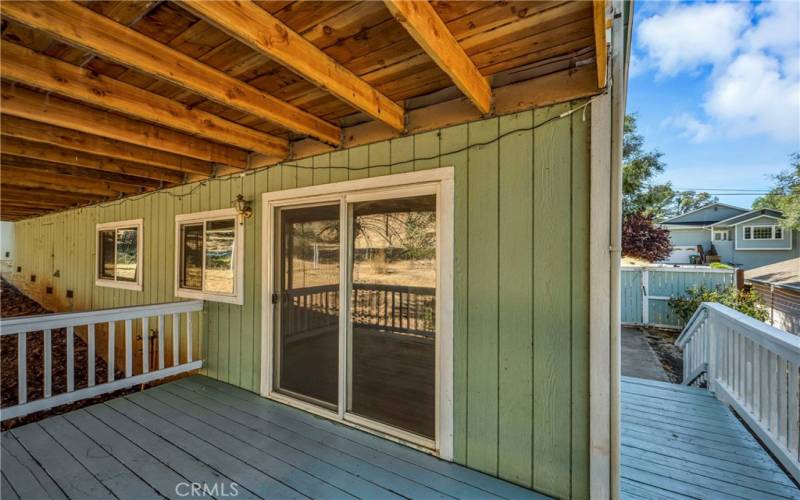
[188, 337]
[48, 363]
[757, 380]
[128, 348]
[22, 367]
[782, 427]
[161, 342]
[90, 375]
[145, 344]
[70, 359]
[176, 346]
[793, 406]
[773, 397]
[112, 353]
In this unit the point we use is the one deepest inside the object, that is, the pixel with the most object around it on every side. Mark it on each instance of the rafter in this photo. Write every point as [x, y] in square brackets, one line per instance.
[601, 56]
[65, 183]
[38, 151]
[24, 103]
[82, 27]
[20, 128]
[44, 194]
[256, 28]
[27, 66]
[427, 28]
[56, 168]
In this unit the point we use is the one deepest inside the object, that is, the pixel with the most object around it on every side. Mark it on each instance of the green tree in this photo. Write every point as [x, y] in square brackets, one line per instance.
[785, 196]
[640, 194]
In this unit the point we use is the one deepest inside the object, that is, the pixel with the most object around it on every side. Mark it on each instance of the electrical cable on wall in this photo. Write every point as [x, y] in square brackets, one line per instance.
[204, 182]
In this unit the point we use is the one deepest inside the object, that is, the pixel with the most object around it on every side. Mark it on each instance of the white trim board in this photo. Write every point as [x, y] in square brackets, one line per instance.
[436, 181]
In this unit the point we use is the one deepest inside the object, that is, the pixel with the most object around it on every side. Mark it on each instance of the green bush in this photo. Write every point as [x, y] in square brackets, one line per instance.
[719, 265]
[745, 302]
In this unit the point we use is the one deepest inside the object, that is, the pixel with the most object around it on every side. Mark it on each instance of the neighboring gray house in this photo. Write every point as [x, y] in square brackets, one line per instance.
[742, 237]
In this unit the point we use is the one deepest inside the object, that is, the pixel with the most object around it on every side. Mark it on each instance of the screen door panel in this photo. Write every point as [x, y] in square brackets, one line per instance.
[392, 342]
[307, 304]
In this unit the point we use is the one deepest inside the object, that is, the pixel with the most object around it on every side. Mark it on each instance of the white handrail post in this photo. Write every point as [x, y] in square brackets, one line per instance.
[712, 352]
[22, 367]
[112, 334]
[70, 359]
[161, 342]
[90, 354]
[145, 344]
[189, 337]
[128, 348]
[48, 363]
[176, 343]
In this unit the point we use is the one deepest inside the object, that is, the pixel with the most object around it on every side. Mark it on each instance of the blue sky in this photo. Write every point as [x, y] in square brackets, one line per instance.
[716, 87]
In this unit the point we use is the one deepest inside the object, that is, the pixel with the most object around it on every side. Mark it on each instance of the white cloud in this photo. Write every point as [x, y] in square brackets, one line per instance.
[751, 96]
[753, 54]
[685, 37]
[690, 127]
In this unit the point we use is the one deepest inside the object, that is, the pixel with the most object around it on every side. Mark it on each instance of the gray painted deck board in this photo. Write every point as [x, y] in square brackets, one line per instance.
[200, 430]
[671, 448]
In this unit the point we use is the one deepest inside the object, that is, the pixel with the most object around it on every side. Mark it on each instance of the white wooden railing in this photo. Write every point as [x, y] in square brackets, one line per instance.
[751, 366]
[145, 319]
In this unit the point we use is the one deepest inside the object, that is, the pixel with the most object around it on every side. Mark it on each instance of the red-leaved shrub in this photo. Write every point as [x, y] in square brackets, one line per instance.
[642, 239]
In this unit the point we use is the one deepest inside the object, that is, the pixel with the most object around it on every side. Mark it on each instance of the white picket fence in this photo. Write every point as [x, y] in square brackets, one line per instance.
[45, 324]
[751, 366]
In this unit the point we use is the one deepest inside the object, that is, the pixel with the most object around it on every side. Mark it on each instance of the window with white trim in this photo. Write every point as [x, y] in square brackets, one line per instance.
[119, 252]
[763, 233]
[209, 254]
[721, 235]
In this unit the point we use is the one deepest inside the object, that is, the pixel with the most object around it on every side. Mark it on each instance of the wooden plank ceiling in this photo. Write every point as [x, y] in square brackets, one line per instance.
[106, 99]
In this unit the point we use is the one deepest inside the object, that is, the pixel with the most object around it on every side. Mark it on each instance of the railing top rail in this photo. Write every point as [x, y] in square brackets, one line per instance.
[681, 269]
[689, 329]
[776, 340]
[10, 326]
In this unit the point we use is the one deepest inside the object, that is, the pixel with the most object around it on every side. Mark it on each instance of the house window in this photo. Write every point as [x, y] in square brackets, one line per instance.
[119, 250]
[209, 256]
[763, 233]
[721, 235]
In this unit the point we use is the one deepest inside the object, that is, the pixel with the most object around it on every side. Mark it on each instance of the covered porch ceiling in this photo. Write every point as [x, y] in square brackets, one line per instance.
[107, 99]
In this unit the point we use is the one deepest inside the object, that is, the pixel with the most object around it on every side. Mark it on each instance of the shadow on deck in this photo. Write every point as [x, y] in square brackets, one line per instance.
[198, 430]
[681, 442]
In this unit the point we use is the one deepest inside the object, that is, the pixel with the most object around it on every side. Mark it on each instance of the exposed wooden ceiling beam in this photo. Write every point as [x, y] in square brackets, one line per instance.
[47, 73]
[44, 152]
[44, 194]
[68, 184]
[601, 53]
[256, 28]
[84, 28]
[20, 128]
[7, 160]
[21, 201]
[24, 103]
[427, 28]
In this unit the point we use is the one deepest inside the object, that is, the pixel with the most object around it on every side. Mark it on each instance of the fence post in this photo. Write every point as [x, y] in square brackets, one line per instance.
[645, 296]
[739, 279]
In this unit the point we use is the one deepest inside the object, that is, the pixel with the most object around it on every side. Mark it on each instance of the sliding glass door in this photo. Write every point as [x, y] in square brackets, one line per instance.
[355, 307]
[307, 304]
[392, 337]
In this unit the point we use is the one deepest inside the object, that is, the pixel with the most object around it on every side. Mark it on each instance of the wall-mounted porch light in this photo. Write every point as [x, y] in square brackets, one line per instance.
[243, 208]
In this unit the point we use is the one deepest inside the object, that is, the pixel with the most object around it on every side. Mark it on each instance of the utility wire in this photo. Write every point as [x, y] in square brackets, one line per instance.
[204, 182]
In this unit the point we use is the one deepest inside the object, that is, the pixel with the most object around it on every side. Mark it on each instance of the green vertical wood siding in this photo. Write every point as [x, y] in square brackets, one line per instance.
[521, 277]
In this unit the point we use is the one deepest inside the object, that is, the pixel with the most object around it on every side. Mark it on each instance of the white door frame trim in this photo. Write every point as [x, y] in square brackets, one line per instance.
[439, 181]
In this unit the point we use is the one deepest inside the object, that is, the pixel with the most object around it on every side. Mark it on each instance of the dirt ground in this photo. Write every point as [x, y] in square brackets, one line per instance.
[670, 355]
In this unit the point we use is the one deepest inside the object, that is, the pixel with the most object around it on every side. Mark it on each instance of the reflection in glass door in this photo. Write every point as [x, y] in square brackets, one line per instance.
[392, 335]
[307, 304]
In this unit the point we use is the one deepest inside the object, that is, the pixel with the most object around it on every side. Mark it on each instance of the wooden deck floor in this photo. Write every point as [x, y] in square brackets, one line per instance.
[203, 431]
[681, 442]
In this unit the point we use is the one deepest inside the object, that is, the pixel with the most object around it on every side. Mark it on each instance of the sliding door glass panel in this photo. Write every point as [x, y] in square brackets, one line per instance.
[219, 249]
[392, 344]
[192, 256]
[107, 247]
[307, 313]
[126, 254]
